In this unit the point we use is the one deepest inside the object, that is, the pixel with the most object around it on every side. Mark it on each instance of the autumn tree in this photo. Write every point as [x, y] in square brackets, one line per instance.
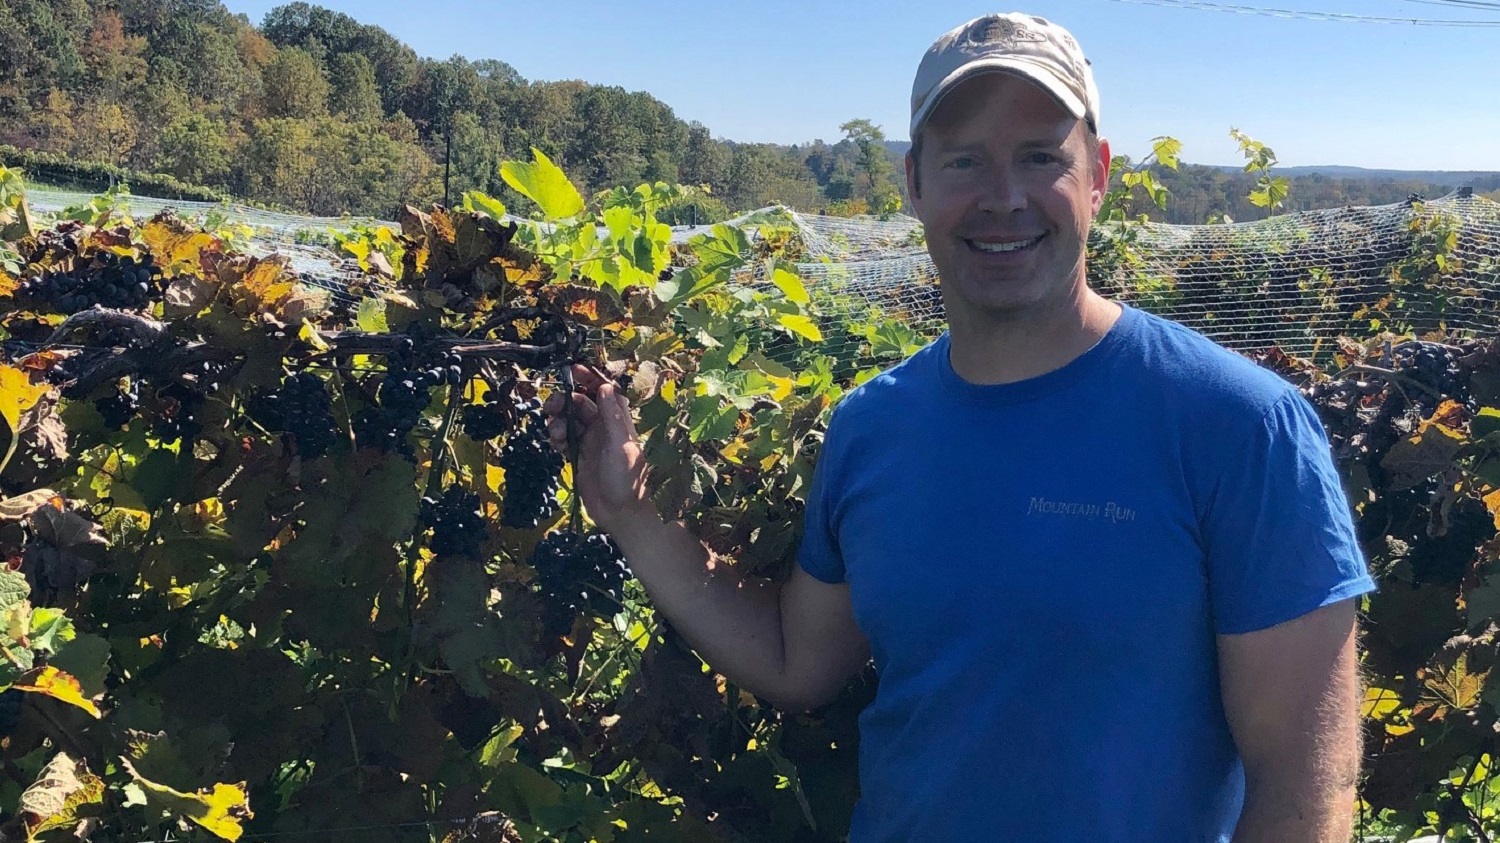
[354, 94]
[295, 85]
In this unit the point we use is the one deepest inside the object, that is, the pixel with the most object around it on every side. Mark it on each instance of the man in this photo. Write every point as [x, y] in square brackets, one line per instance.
[1105, 568]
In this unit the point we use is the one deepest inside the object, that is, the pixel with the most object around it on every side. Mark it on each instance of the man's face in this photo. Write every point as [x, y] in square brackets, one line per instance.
[1008, 190]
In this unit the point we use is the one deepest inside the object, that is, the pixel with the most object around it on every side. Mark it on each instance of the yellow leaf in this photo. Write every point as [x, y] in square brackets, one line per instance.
[1379, 702]
[783, 387]
[219, 809]
[262, 277]
[51, 682]
[1492, 502]
[669, 391]
[176, 246]
[790, 285]
[800, 325]
[734, 451]
[17, 395]
[1456, 686]
[8, 284]
[276, 293]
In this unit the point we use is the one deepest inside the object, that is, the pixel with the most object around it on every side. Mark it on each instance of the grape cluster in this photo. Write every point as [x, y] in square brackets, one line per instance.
[483, 422]
[10, 710]
[577, 574]
[1436, 367]
[532, 468]
[457, 522]
[177, 416]
[112, 280]
[402, 398]
[301, 408]
[120, 406]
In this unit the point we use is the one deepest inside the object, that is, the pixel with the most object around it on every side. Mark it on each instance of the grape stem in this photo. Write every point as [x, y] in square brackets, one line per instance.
[575, 503]
[1390, 375]
[347, 343]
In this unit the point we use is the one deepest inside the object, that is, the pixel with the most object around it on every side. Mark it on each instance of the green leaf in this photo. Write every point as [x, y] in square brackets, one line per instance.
[545, 184]
[13, 589]
[483, 203]
[86, 658]
[800, 325]
[790, 285]
[620, 223]
[50, 629]
[1167, 150]
[1487, 421]
[371, 316]
[710, 418]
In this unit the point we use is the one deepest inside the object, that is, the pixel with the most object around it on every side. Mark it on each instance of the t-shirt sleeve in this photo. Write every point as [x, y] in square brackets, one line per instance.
[1278, 529]
[819, 552]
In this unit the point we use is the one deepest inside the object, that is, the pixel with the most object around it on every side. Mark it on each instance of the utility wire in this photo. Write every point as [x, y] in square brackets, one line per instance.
[1299, 14]
[1482, 5]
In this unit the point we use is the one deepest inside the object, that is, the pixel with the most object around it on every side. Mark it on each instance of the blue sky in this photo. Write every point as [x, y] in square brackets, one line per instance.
[1318, 92]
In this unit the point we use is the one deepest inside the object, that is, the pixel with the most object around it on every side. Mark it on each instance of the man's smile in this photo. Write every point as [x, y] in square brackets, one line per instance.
[1004, 246]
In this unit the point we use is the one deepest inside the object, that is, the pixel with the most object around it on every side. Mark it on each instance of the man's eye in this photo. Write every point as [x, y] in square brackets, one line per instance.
[961, 163]
[1042, 158]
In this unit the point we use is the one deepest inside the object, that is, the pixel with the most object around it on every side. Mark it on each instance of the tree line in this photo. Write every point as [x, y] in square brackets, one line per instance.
[316, 112]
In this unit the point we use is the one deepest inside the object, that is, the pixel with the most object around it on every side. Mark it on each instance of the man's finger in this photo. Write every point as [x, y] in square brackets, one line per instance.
[615, 410]
[588, 378]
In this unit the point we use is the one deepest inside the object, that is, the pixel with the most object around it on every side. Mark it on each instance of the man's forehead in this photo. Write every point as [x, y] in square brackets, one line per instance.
[1032, 104]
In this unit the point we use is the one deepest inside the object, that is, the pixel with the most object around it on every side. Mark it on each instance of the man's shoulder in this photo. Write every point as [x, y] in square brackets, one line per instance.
[1205, 376]
[894, 389]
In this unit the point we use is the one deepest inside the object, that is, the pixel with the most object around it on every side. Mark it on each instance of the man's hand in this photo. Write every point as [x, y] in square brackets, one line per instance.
[611, 471]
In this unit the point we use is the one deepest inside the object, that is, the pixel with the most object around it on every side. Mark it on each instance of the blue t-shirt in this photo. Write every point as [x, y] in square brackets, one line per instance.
[1041, 569]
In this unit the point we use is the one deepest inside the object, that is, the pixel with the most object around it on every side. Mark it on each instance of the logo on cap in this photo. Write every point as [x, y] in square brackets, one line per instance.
[1005, 31]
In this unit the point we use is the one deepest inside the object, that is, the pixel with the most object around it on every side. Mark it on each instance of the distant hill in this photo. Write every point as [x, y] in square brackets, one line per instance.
[1477, 179]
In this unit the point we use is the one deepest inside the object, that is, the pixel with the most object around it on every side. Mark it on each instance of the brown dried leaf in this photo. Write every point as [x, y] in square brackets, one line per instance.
[189, 294]
[62, 787]
[1422, 455]
[43, 433]
[20, 506]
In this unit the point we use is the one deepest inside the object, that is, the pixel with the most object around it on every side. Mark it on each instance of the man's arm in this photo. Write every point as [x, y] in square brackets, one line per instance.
[1291, 695]
[793, 644]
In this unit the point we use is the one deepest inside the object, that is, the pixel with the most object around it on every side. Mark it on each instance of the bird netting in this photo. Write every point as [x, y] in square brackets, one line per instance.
[1296, 280]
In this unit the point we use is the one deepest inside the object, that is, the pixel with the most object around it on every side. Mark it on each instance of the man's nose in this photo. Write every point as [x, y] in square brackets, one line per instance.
[1002, 192]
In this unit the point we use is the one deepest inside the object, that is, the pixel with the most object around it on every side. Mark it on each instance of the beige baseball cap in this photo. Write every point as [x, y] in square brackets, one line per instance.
[1026, 45]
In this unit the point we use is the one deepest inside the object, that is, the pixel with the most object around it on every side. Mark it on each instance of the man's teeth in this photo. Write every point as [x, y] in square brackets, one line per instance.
[996, 248]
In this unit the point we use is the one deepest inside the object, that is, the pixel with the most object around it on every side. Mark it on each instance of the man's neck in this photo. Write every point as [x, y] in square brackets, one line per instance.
[988, 352]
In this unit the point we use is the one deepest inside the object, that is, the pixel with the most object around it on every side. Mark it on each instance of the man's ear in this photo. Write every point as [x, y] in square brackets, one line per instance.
[1101, 175]
[911, 177]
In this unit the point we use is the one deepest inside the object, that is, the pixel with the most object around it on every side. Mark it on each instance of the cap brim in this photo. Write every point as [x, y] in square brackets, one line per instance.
[1030, 71]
